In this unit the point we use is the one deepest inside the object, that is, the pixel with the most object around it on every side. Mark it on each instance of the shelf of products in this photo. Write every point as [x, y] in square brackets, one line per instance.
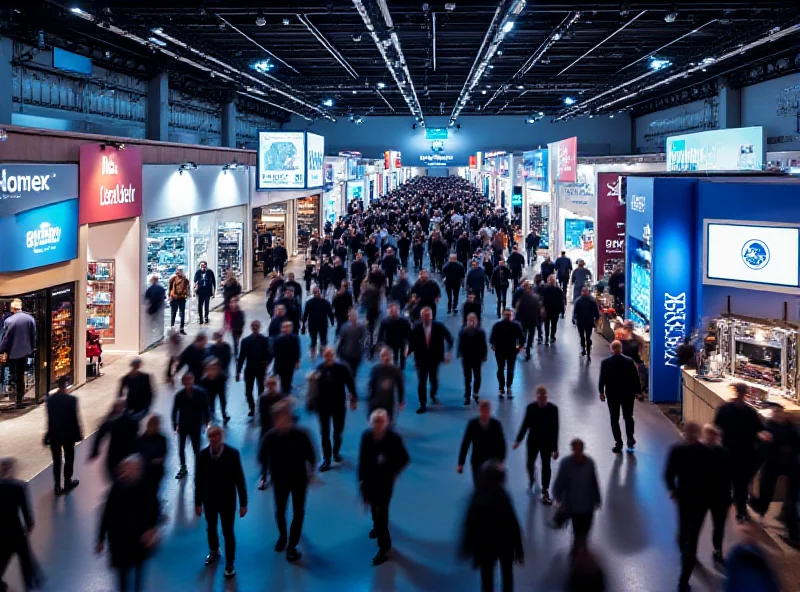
[640, 293]
[167, 249]
[62, 333]
[229, 251]
[100, 298]
[539, 221]
[307, 220]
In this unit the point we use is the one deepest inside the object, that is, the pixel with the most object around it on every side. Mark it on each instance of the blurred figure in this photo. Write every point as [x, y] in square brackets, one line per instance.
[122, 430]
[234, 322]
[137, 389]
[14, 540]
[719, 493]
[194, 357]
[585, 314]
[352, 337]
[174, 349]
[394, 331]
[747, 566]
[286, 352]
[213, 382]
[585, 574]
[577, 492]
[63, 431]
[129, 522]
[485, 435]
[317, 314]
[222, 351]
[266, 401]
[472, 349]
[342, 303]
[334, 383]
[189, 419]
[491, 530]
[541, 426]
[254, 357]
[152, 446]
[386, 384]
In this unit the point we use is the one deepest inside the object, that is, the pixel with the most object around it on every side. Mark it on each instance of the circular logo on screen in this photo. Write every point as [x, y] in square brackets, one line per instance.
[755, 254]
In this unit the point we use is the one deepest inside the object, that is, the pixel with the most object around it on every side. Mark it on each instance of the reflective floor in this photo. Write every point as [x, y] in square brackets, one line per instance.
[634, 533]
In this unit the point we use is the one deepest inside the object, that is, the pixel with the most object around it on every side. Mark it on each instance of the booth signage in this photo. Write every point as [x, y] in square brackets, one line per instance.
[110, 183]
[577, 198]
[27, 186]
[435, 133]
[39, 236]
[387, 160]
[535, 169]
[737, 149]
[281, 160]
[315, 156]
[566, 154]
[473, 162]
[327, 181]
[610, 222]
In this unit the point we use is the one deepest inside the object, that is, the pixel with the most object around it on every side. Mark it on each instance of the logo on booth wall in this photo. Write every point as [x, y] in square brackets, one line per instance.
[437, 146]
[43, 239]
[12, 186]
[755, 254]
[638, 203]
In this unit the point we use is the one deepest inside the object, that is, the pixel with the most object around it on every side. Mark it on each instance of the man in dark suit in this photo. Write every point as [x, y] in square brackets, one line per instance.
[553, 303]
[18, 342]
[507, 340]
[218, 480]
[585, 314]
[390, 265]
[137, 388]
[190, 415]
[205, 285]
[430, 342]
[485, 434]
[541, 425]
[255, 355]
[286, 349]
[279, 255]
[453, 274]
[14, 541]
[63, 431]
[619, 386]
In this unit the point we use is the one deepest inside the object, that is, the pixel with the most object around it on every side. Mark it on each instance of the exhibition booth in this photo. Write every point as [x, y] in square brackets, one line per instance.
[334, 187]
[536, 198]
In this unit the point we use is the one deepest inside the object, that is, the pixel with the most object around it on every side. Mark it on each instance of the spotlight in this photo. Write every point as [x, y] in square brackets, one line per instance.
[611, 116]
[260, 20]
[328, 102]
[670, 17]
[285, 22]
[541, 113]
[569, 101]
[521, 87]
[483, 92]
[356, 38]
[658, 64]
[450, 6]
[187, 166]
[508, 26]
[355, 92]
[359, 120]
[381, 85]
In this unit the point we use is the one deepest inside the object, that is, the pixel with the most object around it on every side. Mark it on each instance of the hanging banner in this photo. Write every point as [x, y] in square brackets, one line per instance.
[535, 169]
[610, 223]
[566, 154]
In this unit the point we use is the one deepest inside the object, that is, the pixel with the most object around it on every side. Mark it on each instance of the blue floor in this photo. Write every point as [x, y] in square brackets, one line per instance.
[634, 533]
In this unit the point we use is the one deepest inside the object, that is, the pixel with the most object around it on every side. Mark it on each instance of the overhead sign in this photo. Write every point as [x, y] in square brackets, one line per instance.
[737, 149]
[535, 169]
[40, 236]
[281, 160]
[610, 223]
[435, 133]
[565, 153]
[27, 186]
[110, 183]
[315, 155]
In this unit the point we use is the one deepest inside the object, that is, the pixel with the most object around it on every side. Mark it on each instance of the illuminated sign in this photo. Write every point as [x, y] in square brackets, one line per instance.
[315, 155]
[110, 183]
[435, 133]
[736, 149]
[38, 237]
[281, 160]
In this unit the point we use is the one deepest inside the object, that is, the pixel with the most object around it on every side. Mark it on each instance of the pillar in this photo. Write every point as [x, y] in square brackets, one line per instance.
[730, 106]
[6, 82]
[229, 125]
[158, 108]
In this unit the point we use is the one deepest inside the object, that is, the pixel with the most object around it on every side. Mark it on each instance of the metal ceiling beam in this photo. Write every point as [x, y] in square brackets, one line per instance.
[622, 28]
[327, 44]
[254, 42]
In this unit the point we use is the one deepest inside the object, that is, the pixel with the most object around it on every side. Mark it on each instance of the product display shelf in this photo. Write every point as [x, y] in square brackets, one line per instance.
[229, 251]
[61, 342]
[100, 295]
[167, 249]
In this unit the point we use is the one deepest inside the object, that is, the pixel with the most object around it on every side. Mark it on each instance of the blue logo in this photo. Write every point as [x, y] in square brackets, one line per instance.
[755, 254]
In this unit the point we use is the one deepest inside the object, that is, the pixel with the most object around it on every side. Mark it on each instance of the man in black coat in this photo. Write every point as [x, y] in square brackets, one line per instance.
[342, 303]
[553, 302]
[358, 271]
[63, 431]
[194, 357]
[286, 349]
[276, 321]
[218, 482]
[501, 279]
[390, 266]
[507, 340]
[403, 248]
[430, 342]
[394, 331]
[292, 308]
[287, 455]
[427, 291]
[14, 540]
[279, 256]
[516, 263]
[472, 350]
[563, 267]
[476, 281]
[213, 382]
[122, 430]
[318, 313]
[255, 354]
[382, 457]
[334, 383]
[528, 314]
[585, 314]
[222, 351]
[620, 386]
[485, 434]
[137, 388]
[463, 249]
[205, 285]
[532, 242]
[338, 273]
[541, 425]
[189, 418]
[453, 275]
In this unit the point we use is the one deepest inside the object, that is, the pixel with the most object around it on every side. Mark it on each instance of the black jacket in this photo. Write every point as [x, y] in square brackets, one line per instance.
[265, 402]
[553, 300]
[491, 529]
[342, 303]
[379, 463]
[155, 296]
[501, 277]
[293, 311]
[740, 425]
[585, 311]
[193, 358]
[210, 282]
[487, 443]
[63, 425]
[453, 274]
[394, 332]
[472, 346]
[462, 245]
[13, 503]
[223, 353]
[138, 392]
[528, 308]
[338, 275]
[619, 377]
[688, 473]
[506, 337]
[470, 308]
[400, 291]
[254, 351]
[404, 245]
[129, 512]
[427, 292]
[358, 271]
[515, 262]
[286, 349]
[218, 481]
[123, 433]
[441, 338]
[547, 270]
[333, 385]
[287, 455]
[541, 425]
[390, 265]
[279, 254]
[318, 312]
[153, 448]
[190, 413]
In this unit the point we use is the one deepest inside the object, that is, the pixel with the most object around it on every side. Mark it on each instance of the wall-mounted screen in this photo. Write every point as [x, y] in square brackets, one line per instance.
[735, 149]
[753, 254]
[435, 133]
[281, 160]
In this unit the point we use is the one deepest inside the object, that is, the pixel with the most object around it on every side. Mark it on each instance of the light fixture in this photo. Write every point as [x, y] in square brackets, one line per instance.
[670, 17]
[508, 26]
[520, 87]
[568, 101]
[262, 66]
[355, 92]
[260, 20]
[359, 120]
[381, 85]
[483, 92]
[611, 116]
[187, 166]
[157, 41]
[659, 64]
[707, 61]
[328, 102]
[541, 113]
[490, 66]
[450, 6]
[285, 22]
[231, 166]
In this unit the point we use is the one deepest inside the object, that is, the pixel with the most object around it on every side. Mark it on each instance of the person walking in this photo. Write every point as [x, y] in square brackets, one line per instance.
[401, 289]
[218, 482]
[720, 476]
[547, 268]
[553, 303]
[350, 348]
[619, 387]
[476, 281]
[403, 249]
[266, 401]
[287, 455]
[507, 340]
[453, 275]
[193, 357]
[189, 419]
[205, 286]
[222, 351]
[528, 312]
[286, 352]
[585, 314]
[17, 344]
[516, 263]
[473, 350]
[577, 492]
[485, 435]
[581, 278]
[532, 242]
[501, 279]
[231, 288]
[63, 431]
[154, 298]
[136, 387]
[541, 426]
[393, 332]
[152, 446]
[279, 256]
[390, 265]
[342, 303]
[358, 272]
[418, 249]
[122, 430]
[382, 457]
[491, 531]
[254, 357]
[430, 343]
[16, 524]
[213, 383]
[334, 384]
[385, 386]
[427, 291]
[178, 293]
[318, 313]
[563, 267]
[129, 523]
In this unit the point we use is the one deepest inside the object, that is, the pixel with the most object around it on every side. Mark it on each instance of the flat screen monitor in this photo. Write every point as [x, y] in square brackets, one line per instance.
[766, 255]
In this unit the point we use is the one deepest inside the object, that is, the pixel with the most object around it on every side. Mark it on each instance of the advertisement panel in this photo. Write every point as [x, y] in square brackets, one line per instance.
[473, 162]
[327, 181]
[610, 223]
[281, 160]
[737, 149]
[535, 169]
[566, 154]
[40, 236]
[435, 133]
[577, 198]
[315, 155]
[110, 183]
[27, 186]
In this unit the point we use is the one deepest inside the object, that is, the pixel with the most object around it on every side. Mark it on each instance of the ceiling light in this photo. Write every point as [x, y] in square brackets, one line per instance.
[157, 31]
[569, 101]
[450, 6]
[285, 22]
[707, 61]
[591, 116]
[262, 66]
[508, 26]
[157, 41]
[381, 85]
[483, 92]
[355, 91]
[670, 17]
[328, 102]
[611, 116]
[521, 87]
[359, 120]
[260, 20]
[490, 66]
[658, 64]
[556, 36]
[187, 166]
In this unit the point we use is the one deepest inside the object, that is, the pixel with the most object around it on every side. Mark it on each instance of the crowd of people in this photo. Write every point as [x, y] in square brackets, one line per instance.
[357, 303]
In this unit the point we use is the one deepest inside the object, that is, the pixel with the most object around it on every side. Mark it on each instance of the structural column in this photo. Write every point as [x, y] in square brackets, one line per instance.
[158, 108]
[730, 106]
[229, 125]
[6, 82]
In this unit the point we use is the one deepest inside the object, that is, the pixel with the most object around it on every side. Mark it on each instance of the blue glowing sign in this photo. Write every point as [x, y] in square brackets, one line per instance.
[435, 133]
[41, 236]
[736, 149]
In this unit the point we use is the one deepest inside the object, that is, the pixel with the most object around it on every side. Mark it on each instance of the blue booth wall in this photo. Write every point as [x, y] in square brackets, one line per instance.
[758, 200]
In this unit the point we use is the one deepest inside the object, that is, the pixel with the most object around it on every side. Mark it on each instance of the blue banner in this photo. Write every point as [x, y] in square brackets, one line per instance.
[535, 165]
[41, 236]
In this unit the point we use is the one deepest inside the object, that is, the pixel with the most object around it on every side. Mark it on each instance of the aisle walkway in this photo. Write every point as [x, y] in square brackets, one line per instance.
[634, 533]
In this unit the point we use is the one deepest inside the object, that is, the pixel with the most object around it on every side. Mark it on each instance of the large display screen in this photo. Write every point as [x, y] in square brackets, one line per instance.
[281, 160]
[435, 133]
[315, 155]
[41, 236]
[753, 254]
[736, 149]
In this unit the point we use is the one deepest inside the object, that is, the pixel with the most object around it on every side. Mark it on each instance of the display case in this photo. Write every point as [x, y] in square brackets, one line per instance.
[62, 334]
[539, 221]
[167, 249]
[229, 251]
[100, 298]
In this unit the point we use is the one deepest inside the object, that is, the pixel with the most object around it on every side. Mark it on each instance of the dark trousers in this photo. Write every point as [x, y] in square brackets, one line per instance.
[516, 279]
[389, 282]
[472, 375]
[357, 289]
[536, 449]
[417, 261]
[452, 296]
[581, 525]
[18, 367]
[501, 299]
[69, 461]
[531, 256]
[403, 260]
[226, 516]
[282, 490]
[124, 577]
[326, 418]
[505, 369]
[20, 548]
[427, 370]
[254, 378]
[194, 437]
[177, 305]
[203, 301]
[280, 265]
[769, 477]
[223, 400]
[615, 404]
[585, 331]
[528, 329]
[379, 506]
[690, 522]
[719, 514]
[550, 326]
[237, 337]
[321, 332]
[286, 375]
[462, 257]
[744, 469]
[399, 356]
[506, 571]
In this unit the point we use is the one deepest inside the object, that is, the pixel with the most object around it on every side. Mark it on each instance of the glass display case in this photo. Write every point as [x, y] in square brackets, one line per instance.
[229, 251]
[167, 249]
[539, 221]
[100, 298]
[62, 334]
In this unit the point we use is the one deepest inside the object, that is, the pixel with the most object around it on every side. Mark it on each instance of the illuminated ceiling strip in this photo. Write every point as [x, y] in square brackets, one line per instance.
[556, 35]
[655, 51]
[387, 17]
[326, 44]
[522, 94]
[623, 27]
[254, 42]
[388, 104]
[273, 104]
